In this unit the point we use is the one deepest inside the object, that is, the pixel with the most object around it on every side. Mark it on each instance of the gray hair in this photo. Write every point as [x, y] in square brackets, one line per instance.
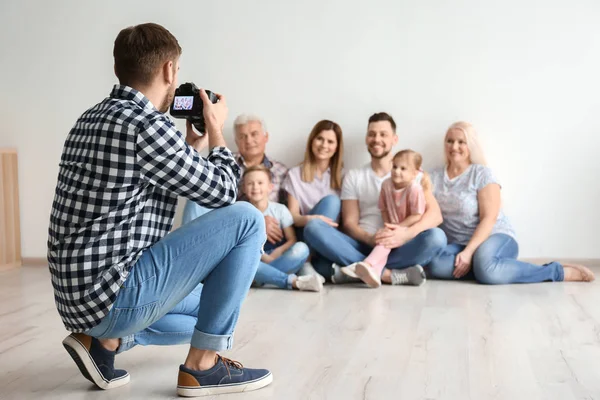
[243, 119]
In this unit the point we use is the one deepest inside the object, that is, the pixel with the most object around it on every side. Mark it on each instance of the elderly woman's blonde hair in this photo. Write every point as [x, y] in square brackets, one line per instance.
[476, 155]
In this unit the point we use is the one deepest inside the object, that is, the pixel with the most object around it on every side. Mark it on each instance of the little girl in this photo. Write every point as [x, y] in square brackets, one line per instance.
[402, 202]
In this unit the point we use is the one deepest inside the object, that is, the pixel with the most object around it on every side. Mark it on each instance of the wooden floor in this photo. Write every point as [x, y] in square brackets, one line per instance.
[443, 340]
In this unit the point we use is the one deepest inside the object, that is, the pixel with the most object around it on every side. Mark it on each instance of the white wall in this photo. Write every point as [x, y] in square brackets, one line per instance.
[525, 72]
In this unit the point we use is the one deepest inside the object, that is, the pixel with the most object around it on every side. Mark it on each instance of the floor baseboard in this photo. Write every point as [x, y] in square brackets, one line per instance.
[35, 261]
[6, 267]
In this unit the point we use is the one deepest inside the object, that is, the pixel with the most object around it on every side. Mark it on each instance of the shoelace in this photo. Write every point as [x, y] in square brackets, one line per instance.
[399, 278]
[230, 363]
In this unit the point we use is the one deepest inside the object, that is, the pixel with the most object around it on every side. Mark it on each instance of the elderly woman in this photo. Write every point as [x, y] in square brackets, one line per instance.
[481, 240]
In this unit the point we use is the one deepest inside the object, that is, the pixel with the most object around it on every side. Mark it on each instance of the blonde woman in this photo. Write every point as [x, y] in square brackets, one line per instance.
[481, 240]
[313, 187]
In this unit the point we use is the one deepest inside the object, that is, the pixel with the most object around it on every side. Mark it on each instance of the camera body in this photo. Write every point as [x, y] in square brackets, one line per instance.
[187, 104]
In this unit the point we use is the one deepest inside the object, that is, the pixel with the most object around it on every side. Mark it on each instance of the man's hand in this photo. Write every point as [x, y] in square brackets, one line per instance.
[392, 236]
[274, 232]
[193, 139]
[214, 114]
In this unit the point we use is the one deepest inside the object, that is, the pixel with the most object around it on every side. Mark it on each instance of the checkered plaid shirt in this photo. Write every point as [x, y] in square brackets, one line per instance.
[122, 168]
[278, 173]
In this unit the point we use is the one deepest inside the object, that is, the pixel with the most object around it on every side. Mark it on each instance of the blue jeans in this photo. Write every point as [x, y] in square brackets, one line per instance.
[334, 246]
[278, 272]
[494, 263]
[329, 206]
[191, 211]
[190, 285]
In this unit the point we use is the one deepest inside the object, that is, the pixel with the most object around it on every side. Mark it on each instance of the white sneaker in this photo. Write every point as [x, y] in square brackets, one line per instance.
[368, 275]
[339, 277]
[309, 283]
[349, 270]
[308, 269]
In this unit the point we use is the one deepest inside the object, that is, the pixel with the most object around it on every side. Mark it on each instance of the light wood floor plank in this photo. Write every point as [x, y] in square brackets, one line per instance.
[444, 340]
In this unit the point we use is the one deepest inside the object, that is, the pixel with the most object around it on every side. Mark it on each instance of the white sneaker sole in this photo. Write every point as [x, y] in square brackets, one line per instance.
[349, 271]
[367, 275]
[199, 391]
[88, 367]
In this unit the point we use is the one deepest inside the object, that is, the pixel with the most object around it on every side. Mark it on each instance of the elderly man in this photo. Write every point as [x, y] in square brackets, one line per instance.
[251, 137]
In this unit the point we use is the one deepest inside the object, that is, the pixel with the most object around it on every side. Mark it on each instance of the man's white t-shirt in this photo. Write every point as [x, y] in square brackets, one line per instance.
[364, 185]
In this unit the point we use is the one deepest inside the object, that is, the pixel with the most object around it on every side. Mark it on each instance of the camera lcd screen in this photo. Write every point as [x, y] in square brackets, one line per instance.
[183, 102]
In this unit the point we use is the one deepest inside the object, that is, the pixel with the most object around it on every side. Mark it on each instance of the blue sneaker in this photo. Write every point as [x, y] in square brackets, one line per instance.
[94, 361]
[227, 376]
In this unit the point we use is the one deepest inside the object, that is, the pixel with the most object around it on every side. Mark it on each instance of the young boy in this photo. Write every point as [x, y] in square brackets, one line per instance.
[280, 262]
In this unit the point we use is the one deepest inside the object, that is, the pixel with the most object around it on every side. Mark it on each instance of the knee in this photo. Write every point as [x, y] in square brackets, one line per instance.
[485, 271]
[333, 202]
[248, 212]
[435, 239]
[299, 250]
[439, 268]
[313, 228]
[329, 206]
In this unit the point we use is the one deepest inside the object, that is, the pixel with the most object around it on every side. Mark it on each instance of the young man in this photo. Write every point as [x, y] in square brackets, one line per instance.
[119, 278]
[363, 223]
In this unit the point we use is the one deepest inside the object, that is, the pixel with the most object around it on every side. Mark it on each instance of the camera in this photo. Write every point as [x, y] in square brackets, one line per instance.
[187, 104]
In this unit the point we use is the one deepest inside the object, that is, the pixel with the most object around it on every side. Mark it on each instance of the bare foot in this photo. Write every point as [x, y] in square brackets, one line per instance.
[578, 273]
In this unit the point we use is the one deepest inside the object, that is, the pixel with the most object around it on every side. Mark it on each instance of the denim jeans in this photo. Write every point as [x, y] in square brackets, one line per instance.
[334, 246]
[495, 262]
[278, 272]
[329, 206]
[190, 285]
[191, 211]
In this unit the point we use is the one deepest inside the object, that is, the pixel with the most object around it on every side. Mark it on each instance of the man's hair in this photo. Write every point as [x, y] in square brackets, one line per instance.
[141, 50]
[382, 116]
[243, 119]
[259, 168]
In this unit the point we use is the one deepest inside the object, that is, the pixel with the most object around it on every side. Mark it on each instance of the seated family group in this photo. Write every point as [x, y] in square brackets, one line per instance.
[388, 221]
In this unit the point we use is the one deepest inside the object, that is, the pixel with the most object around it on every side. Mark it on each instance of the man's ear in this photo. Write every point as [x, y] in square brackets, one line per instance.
[266, 136]
[168, 72]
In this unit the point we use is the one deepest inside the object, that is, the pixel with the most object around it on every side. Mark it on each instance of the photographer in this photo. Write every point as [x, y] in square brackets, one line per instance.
[120, 278]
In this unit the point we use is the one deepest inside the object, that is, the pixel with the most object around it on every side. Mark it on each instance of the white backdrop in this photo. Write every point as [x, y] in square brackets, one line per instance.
[526, 73]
